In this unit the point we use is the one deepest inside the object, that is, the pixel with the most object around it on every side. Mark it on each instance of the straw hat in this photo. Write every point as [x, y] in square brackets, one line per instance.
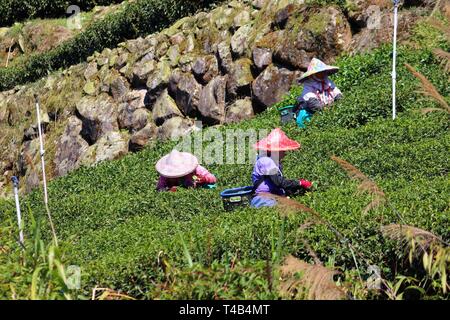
[277, 141]
[176, 164]
[317, 66]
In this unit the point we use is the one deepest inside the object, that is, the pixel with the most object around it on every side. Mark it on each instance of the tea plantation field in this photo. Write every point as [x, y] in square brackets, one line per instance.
[126, 236]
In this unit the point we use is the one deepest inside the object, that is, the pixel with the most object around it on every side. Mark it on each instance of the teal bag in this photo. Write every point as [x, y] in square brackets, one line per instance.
[303, 117]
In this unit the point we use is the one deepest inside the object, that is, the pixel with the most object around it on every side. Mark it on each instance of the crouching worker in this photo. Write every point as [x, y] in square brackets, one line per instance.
[181, 169]
[267, 173]
[318, 90]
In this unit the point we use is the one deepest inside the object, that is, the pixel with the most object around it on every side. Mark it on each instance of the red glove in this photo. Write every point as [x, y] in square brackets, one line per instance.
[305, 184]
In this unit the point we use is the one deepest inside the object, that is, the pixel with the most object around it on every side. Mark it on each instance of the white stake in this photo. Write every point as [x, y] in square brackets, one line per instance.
[41, 142]
[44, 179]
[394, 63]
[19, 216]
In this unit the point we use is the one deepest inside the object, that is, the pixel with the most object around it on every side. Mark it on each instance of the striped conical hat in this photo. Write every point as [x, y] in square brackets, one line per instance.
[317, 66]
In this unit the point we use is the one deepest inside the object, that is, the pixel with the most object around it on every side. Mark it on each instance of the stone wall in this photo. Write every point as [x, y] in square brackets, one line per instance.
[219, 67]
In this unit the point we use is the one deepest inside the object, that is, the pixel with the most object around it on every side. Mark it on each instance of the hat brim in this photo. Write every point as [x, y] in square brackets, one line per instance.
[329, 70]
[177, 171]
[278, 149]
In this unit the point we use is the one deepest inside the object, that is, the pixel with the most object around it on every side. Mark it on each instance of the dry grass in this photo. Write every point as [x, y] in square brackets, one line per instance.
[429, 110]
[9, 153]
[311, 252]
[288, 206]
[109, 294]
[366, 185]
[428, 89]
[444, 8]
[306, 225]
[383, 4]
[29, 161]
[412, 238]
[444, 56]
[439, 25]
[411, 44]
[300, 280]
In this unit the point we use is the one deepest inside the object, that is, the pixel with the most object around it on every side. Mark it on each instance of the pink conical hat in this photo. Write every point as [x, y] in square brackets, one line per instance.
[176, 164]
[317, 66]
[277, 141]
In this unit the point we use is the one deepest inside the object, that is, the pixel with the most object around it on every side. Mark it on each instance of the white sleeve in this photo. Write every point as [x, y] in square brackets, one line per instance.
[309, 95]
[336, 92]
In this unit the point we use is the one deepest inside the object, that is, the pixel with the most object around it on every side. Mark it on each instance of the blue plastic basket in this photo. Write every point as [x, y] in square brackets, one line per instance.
[237, 197]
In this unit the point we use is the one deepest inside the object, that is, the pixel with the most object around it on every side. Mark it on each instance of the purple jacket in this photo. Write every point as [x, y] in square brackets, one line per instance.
[265, 166]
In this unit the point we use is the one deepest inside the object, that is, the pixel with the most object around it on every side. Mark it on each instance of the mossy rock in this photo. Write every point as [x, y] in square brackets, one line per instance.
[102, 60]
[202, 20]
[113, 60]
[3, 31]
[318, 23]
[271, 40]
[175, 28]
[90, 88]
[174, 55]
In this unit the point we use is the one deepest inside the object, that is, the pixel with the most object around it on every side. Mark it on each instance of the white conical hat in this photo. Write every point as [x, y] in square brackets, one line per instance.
[176, 164]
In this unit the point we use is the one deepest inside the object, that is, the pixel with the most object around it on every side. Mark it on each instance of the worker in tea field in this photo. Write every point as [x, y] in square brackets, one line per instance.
[318, 90]
[182, 169]
[267, 176]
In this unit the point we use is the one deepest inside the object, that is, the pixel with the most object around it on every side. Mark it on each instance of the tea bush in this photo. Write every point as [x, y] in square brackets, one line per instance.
[17, 10]
[120, 228]
[368, 78]
[35, 270]
[249, 279]
[136, 19]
